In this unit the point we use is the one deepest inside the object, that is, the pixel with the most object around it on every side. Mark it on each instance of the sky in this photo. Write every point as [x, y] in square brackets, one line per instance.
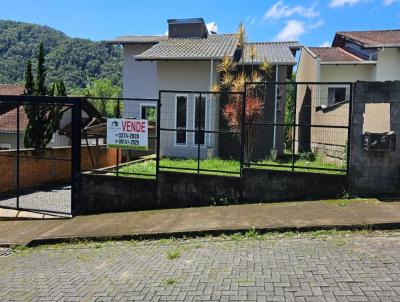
[313, 23]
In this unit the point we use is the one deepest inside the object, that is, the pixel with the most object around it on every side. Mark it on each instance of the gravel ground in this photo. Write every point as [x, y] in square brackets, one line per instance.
[49, 200]
[351, 267]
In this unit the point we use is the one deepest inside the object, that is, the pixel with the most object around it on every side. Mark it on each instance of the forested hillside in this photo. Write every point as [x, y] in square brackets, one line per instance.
[74, 60]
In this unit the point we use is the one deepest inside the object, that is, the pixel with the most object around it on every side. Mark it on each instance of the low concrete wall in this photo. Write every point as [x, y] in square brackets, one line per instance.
[106, 193]
[271, 185]
[189, 189]
[103, 193]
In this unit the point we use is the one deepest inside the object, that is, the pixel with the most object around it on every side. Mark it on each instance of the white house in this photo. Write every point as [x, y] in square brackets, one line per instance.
[186, 62]
[354, 56]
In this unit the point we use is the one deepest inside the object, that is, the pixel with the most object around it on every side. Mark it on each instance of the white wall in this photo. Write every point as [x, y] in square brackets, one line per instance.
[186, 76]
[139, 79]
[346, 73]
[388, 65]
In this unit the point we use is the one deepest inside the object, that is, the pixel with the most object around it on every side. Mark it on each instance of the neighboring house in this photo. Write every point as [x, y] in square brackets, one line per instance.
[354, 56]
[186, 60]
[8, 121]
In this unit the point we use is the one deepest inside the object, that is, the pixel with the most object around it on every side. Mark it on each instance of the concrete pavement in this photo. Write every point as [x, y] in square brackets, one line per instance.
[338, 214]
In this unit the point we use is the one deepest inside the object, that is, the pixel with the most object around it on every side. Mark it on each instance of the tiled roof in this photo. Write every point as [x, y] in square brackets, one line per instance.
[334, 54]
[11, 89]
[371, 38]
[212, 47]
[138, 39]
[8, 120]
[273, 52]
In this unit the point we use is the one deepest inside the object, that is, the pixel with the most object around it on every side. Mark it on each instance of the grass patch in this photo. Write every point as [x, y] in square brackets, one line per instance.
[171, 281]
[226, 167]
[173, 254]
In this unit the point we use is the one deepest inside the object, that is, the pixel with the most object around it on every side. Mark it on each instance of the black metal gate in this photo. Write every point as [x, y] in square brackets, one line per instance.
[43, 180]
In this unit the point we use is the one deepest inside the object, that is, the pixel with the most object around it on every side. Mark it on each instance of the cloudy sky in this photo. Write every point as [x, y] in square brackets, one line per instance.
[311, 22]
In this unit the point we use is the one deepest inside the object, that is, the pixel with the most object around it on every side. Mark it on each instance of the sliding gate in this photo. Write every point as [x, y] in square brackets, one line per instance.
[39, 174]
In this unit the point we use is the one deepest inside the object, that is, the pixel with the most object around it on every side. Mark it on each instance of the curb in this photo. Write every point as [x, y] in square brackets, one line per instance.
[202, 233]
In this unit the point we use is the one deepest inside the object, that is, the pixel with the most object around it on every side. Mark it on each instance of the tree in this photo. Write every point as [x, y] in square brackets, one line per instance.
[103, 88]
[43, 119]
[29, 83]
[40, 85]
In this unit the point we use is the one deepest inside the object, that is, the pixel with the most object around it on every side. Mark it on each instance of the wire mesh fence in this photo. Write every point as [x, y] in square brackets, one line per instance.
[194, 135]
[271, 125]
[98, 156]
[298, 126]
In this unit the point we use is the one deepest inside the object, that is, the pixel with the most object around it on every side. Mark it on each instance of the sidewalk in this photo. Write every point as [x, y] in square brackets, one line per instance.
[195, 221]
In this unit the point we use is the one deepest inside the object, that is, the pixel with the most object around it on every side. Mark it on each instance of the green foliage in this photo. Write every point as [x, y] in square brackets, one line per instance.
[58, 89]
[174, 254]
[44, 119]
[40, 85]
[289, 112]
[71, 59]
[102, 88]
[29, 82]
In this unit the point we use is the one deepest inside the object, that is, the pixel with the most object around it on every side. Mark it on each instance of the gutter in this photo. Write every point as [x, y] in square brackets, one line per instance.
[349, 63]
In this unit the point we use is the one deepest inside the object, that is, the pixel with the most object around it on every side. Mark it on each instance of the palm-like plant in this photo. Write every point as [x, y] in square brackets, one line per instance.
[267, 68]
[227, 81]
[242, 38]
[252, 55]
[226, 65]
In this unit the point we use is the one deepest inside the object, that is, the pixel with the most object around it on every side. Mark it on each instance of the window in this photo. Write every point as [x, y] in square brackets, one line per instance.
[148, 113]
[336, 95]
[199, 120]
[181, 115]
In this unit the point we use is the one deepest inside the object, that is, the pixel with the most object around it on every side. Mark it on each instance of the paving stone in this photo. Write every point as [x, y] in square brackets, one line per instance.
[345, 268]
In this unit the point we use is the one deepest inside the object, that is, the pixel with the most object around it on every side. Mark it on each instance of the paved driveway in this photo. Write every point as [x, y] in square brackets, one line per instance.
[52, 200]
[339, 268]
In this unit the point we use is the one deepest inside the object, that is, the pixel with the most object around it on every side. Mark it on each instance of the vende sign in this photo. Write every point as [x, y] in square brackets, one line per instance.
[127, 133]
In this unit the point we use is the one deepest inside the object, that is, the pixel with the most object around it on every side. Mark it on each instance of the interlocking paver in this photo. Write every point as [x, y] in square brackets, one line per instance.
[339, 268]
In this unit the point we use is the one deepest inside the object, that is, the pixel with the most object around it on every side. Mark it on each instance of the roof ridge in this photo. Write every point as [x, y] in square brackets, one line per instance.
[369, 30]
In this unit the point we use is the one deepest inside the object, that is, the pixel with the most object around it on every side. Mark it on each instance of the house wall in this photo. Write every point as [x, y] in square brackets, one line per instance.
[388, 65]
[186, 76]
[139, 79]
[9, 140]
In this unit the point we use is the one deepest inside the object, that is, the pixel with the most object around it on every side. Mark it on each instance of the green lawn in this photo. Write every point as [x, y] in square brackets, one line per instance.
[224, 166]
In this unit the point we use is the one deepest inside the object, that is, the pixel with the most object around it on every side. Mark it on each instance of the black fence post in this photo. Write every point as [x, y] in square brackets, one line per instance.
[243, 129]
[158, 133]
[348, 154]
[198, 132]
[75, 156]
[294, 126]
[18, 142]
[118, 150]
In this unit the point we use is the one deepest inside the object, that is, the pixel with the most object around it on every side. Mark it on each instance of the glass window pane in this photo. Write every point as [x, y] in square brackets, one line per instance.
[181, 105]
[200, 120]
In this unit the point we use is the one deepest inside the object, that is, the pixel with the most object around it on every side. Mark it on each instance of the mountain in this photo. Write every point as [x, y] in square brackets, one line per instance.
[72, 59]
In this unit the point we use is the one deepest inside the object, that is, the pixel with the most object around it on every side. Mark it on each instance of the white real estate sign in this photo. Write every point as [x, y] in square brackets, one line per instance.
[127, 133]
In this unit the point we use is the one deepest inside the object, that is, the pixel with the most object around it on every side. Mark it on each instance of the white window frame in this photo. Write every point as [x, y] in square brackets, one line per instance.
[176, 120]
[147, 104]
[347, 95]
[206, 119]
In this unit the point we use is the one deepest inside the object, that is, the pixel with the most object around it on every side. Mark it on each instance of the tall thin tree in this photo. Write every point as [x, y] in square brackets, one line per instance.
[29, 82]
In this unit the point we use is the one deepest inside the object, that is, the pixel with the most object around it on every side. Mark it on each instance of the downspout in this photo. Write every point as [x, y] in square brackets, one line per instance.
[209, 112]
[275, 105]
